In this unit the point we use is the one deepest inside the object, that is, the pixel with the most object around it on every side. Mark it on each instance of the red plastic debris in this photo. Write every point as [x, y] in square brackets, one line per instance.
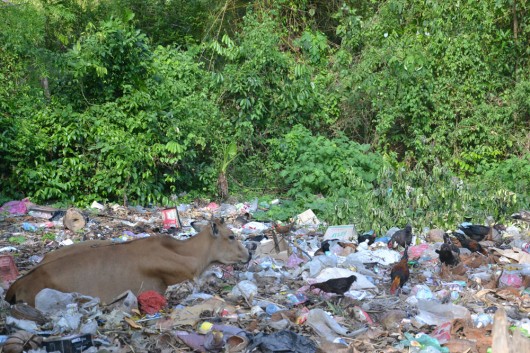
[212, 206]
[151, 302]
[443, 333]
[416, 251]
[8, 269]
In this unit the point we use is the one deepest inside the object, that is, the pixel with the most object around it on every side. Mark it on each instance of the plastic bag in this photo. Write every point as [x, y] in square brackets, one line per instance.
[433, 313]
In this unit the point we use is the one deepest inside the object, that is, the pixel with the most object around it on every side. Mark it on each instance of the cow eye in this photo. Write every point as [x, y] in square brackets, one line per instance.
[231, 237]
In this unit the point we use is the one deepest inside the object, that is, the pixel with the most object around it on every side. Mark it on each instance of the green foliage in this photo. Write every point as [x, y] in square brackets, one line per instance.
[172, 22]
[48, 236]
[431, 80]
[310, 165]
[107, 60]
[263, 90]
[366, 112]
[17, 240]
[437, 200]
[21, 28]
[142, 146]
[511, 174]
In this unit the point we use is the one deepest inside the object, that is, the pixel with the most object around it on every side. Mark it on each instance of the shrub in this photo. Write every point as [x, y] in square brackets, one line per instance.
[310, 165]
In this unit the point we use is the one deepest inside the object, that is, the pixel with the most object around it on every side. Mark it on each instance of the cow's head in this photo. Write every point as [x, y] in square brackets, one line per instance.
[227, 249]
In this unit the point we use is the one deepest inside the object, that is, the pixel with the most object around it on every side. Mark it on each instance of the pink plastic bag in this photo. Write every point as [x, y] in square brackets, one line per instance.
[293, 261]
[212, 206]
[16, 207]
[510, 280]
[417, 250]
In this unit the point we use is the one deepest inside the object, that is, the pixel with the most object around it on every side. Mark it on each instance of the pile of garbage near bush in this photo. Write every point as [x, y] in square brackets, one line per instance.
[308, 287]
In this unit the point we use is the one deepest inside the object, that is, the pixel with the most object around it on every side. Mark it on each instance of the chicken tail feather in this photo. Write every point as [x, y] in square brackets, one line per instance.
[395, 284]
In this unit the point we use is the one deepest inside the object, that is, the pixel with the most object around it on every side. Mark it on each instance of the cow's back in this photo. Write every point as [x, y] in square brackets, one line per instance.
[97, 269]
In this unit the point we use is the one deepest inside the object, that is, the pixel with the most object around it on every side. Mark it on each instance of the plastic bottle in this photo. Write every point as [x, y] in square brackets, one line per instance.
[271, 309]
[296, 299]
[482, 320]
[29, 227]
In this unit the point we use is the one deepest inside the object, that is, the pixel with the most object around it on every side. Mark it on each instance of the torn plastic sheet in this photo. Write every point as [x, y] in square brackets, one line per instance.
[283, 341]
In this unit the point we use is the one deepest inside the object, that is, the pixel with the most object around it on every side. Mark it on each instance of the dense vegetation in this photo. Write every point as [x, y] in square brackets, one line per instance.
[373, 112]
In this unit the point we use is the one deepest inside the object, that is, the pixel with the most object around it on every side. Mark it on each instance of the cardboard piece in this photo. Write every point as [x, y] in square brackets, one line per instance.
[341, 233]
[518, 255]
[266, 248]
[307, 217]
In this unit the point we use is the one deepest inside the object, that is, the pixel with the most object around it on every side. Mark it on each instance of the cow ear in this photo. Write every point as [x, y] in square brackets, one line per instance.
[197, 226]
[222, 220]
[215, 229]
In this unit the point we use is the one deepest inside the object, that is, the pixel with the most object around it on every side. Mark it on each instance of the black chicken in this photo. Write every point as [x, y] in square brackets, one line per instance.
[242, 219]
[470, 244]
[447, 256]
[335, 285]
[449, 253]
[402, 237]
[522, 215]
[478, 232]
[370, 236]
[452, 246]
[324, 247]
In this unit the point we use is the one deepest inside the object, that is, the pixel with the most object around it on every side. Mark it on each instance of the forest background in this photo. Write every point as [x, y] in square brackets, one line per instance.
[376, 113]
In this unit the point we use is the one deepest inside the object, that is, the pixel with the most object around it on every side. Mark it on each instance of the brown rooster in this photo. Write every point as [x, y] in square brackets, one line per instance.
[283, 229]
[470, 244]
[400, 272]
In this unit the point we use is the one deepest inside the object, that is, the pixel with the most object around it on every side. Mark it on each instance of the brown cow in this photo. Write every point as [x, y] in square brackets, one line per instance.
[104, 270]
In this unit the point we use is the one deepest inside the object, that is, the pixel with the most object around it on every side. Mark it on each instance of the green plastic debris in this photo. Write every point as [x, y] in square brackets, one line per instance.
[523, 330]
[422, 340]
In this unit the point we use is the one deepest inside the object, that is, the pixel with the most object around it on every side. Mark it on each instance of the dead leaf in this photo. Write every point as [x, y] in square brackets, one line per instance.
[456, 273]
[509, 293]
[131, 323]
[191, 315]
[482, 293]
[516, 254]
[456, 345]
[334, 347]
[475, 260]
[476, 334]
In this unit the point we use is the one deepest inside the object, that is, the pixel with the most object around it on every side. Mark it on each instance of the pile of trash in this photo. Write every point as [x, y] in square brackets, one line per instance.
[310, 287]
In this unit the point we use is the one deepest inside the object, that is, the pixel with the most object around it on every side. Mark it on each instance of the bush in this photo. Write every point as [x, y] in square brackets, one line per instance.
[310, 165]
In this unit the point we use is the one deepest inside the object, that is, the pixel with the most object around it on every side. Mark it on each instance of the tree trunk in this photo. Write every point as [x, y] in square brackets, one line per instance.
[45, 87]
[222, 185]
